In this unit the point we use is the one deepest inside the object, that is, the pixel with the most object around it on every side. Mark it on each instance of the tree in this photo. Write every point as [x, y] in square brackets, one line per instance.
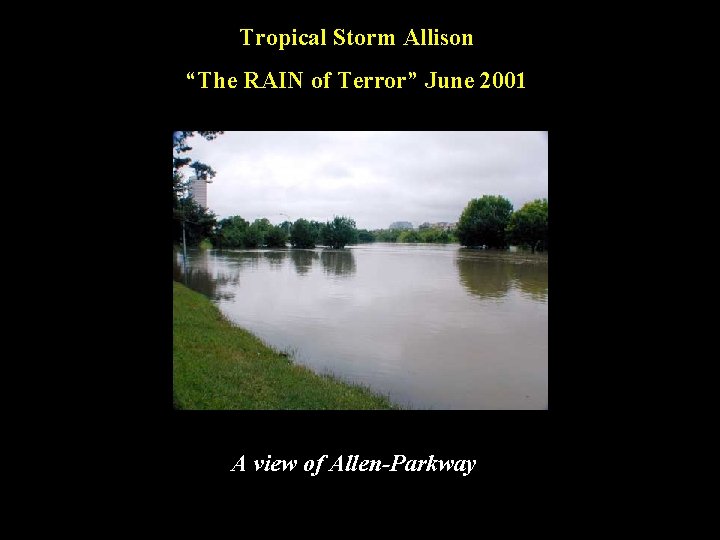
[276, 237]
[302, 234]
[443, 237]
[365, 236]
[286, 226]
[317, 229]
[230, 232]
[235, 232]
[434, 236]
[529, 225]
[180, 147]
[339, 232]
[199, 222]
[409, 236]
[257, 232]
[484, 222]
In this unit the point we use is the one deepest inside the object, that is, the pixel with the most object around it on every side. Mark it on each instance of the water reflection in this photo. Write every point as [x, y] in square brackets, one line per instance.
[246, 258]
[532, 279]
[433, 326]
[338, 262]
[241, 259]
[490, 275]
[199, 278]
[484, 278]
[275, 258]
[303, 260]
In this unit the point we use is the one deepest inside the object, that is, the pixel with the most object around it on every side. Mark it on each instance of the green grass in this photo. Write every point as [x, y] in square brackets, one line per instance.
[219, 366]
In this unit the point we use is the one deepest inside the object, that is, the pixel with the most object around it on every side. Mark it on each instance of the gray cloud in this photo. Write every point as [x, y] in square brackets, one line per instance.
[374, 177]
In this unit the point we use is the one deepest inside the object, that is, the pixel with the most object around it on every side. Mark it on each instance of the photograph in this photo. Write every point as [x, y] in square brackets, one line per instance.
[360, 270]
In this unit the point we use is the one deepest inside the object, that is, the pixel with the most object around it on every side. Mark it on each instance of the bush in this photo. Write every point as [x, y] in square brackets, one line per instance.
[339, 232]
[484, 222]
[276, 237]
[302, 234]
[529, 225]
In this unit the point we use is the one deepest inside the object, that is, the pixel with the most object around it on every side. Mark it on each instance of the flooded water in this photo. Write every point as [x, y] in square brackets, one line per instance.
[432, 326]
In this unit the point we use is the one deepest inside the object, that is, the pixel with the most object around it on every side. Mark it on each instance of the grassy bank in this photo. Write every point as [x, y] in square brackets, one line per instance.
[219, 366]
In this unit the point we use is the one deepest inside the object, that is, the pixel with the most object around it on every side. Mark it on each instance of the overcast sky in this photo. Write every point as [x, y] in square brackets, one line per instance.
[374, 177]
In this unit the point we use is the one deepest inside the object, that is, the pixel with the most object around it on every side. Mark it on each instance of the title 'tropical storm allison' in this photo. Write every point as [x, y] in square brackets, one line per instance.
[341, 36]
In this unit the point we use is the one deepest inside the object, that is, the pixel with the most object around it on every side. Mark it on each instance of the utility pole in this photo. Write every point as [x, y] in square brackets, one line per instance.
[184, 250]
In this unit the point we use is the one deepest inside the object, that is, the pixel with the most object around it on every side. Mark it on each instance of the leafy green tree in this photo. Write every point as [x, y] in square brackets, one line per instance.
[199, 222]
[276, 237]
[434, 236]
[287, 227]
[257, 232]
[235, 232]
[484, 222]
[387, 235]
[365, 236]
[254, 237]
[317, 229]
[302, 234]
[230, 232]
[409, 236]
[443, 237]
[339, 232]
[180, 160]
[529, 225]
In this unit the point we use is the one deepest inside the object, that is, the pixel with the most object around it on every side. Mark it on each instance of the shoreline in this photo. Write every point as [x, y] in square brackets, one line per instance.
[220, 366]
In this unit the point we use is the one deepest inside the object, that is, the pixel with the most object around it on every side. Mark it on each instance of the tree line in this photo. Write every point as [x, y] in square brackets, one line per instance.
[488, 221]
[428, 235]
[491, 223]
[236, 232]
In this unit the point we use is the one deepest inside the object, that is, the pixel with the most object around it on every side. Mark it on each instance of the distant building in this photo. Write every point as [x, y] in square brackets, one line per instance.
[401, 225]
[198, 191]
[444, 225]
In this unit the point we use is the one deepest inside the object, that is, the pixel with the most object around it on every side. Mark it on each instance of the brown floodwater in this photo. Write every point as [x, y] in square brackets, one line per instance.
[432, 326]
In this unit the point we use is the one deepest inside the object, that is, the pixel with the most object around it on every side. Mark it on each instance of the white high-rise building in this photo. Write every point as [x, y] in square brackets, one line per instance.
[198, 191]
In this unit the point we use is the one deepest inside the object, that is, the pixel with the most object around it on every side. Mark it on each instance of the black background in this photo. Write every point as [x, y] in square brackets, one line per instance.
[184, 444]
